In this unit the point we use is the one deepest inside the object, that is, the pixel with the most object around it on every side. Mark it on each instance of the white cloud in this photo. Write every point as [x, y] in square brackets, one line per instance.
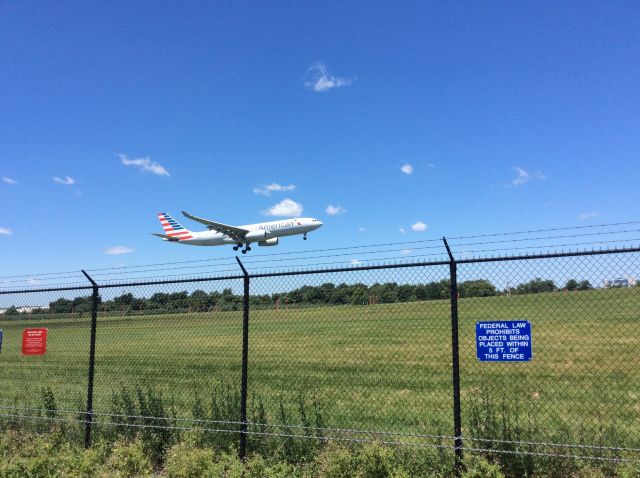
[144, 164]
[402, 230]
[355, 262]
[33, 281]
[361, 229]
[8, 180]
[269, 188]
[117, 250]
[407, 168]
[67, 181]
[406, 252]
[419, 226]
[333, 210]
[286, 207]
[524, 176]
[588, 215]
[5, 231]
[319, 79]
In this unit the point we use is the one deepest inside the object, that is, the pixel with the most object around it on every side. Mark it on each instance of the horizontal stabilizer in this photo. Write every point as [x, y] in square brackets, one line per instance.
[165, 237]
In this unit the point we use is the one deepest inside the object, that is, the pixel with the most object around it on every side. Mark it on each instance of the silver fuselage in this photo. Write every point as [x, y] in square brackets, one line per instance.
[257, 232]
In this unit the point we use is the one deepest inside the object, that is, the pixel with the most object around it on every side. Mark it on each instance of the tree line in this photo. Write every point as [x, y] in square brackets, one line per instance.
[325, 294]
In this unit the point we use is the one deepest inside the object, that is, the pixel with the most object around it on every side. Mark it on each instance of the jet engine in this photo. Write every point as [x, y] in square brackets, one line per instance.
[255, 236]
[269, 242]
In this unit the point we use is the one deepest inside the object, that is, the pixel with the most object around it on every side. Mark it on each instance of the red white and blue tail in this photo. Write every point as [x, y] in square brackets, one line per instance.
[172, 228]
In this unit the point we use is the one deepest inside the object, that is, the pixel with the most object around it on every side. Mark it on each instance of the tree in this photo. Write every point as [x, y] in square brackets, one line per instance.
[11, 311]
[438, 290]
[123, 301]
[536, 286]
[477, 288]
[328, 291]
[61, 306]
[83, 304]
[198, 301]
[359, 294]
[229, 301]
[388, 293]
[584, 285]
[571, 284]
[342, 294]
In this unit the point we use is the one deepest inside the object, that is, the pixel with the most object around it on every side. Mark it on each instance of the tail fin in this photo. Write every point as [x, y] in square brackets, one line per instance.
[172, 228]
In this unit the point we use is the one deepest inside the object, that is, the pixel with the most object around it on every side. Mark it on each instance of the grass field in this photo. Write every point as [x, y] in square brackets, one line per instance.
[380, 367]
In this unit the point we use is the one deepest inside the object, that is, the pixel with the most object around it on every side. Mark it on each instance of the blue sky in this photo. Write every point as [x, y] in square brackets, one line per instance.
[467, 118]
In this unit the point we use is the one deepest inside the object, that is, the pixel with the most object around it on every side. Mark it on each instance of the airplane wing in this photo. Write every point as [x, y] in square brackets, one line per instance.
[236, 233]
[164, 236]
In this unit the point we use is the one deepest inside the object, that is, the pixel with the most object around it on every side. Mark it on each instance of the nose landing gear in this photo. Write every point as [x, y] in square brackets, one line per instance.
[304, 236]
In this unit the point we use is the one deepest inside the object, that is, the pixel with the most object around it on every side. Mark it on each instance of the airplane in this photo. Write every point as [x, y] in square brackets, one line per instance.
[218, 234]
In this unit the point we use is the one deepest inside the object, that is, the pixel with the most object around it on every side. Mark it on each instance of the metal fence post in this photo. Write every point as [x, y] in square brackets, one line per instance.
[455, 352]
[242, 449]
[92, 362]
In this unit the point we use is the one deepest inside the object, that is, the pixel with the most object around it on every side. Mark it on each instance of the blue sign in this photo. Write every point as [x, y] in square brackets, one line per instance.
[504, 341]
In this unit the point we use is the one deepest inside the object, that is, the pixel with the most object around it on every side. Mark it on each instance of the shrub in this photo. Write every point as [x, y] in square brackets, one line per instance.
[144, 416]
[481, 468]
[157, 437]
[629, 470]
[227, 466]
[334, 462]
[430, 462]
[257, 467]
[128, 460]
[368, 461]
[184, 461]
[375, 461]
[589, 472]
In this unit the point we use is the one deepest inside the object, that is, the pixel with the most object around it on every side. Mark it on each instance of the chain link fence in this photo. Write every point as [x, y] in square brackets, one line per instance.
[382, 353]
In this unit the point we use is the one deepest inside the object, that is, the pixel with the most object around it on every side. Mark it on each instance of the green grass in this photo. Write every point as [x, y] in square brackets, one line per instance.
[380, 367]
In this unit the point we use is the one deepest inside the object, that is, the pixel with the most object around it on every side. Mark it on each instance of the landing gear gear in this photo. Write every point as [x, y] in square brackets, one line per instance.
[304, 236]
[246, 249]
[235, 248]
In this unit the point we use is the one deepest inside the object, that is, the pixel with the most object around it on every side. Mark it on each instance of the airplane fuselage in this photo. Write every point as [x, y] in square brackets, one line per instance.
[259, 232]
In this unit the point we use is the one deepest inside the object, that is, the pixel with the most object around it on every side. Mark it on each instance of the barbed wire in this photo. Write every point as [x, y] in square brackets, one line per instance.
[322, 438]
[329, 429]
[251, 261]
[229, 422]
[556, 455]
[222, 430]
[553, 229]
[405, 258]
[352, 247]
[555, 445]
[545, 238]
[590, 243]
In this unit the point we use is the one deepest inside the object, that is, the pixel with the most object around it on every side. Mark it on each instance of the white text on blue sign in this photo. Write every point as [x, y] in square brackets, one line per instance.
[503, 341]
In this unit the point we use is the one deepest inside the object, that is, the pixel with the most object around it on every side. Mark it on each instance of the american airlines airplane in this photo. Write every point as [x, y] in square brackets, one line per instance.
[218, 234]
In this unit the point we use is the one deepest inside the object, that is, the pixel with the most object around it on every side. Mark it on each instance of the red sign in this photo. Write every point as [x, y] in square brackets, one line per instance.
[34, 341]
